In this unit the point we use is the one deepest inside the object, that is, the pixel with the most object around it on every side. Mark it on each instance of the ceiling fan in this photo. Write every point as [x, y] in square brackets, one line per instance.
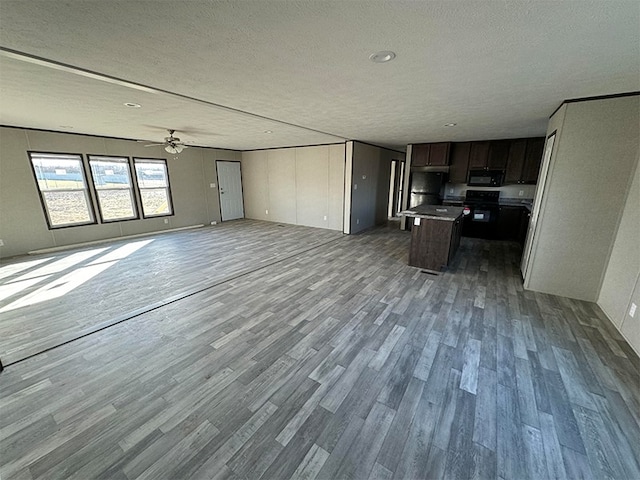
[171, 144]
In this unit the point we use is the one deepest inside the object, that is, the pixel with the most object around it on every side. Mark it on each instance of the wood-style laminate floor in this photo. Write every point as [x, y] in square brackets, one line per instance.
[108, 282]
[338, 362]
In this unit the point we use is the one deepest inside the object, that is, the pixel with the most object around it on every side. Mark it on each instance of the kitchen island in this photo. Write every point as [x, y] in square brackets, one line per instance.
[435, 235]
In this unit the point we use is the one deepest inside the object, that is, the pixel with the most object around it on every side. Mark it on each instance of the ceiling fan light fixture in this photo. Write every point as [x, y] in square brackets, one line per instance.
[450, 124]
[174, 149]
[132, 105]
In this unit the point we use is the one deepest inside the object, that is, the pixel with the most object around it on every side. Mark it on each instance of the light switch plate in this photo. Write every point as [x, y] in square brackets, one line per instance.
[212, 185]
[632, 310]
[2, 242]
[416, 221]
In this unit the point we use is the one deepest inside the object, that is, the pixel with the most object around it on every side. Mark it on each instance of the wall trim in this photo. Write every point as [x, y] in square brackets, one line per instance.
[67, 132]
[293, 146]
[633, 347]
[598, 97]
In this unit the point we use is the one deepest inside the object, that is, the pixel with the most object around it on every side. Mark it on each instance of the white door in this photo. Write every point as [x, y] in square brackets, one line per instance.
[230, 188]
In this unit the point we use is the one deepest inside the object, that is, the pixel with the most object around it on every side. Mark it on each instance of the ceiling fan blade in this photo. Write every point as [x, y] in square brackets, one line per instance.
[154, 144]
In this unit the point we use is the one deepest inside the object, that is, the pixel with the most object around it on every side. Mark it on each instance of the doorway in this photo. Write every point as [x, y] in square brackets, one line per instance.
[230, 190]
[396, 181]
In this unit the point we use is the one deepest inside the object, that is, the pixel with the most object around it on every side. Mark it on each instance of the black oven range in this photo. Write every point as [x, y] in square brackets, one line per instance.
[481, 208]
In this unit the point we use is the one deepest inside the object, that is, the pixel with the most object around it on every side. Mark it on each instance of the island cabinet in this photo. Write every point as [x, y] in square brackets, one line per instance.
[430, 154]
[435, 236]
[525, 155]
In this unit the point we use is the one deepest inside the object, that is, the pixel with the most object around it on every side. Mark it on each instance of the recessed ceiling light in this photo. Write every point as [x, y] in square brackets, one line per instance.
[450, 124]
[268, 131]
[132, 105]
[382, 57]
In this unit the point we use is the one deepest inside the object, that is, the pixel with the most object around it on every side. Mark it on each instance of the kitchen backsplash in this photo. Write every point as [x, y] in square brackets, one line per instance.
[506, 191]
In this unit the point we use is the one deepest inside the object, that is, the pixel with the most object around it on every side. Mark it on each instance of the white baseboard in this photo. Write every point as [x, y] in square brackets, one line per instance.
[106, 240]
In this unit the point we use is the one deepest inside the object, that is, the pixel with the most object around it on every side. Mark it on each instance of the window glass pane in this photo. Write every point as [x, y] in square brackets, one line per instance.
[153, 182]
[110, 174]
[61, 180]
[112, 180]
[116, 204]
[67, 207]
[151, 174]
[155, 201]
[59, 174]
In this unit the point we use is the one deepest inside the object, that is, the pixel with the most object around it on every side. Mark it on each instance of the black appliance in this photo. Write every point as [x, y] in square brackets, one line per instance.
[481, 209]
[426, 188]
[485, 178]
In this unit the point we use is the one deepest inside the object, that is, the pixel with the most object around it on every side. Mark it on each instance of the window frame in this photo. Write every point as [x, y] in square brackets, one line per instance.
[164, 162]
[132, 188]
[86, 190]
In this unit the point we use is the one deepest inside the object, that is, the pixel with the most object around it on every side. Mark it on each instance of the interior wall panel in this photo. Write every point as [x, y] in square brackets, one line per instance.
[282, 185]
[255, 184]
[312, 186]
[336, 186]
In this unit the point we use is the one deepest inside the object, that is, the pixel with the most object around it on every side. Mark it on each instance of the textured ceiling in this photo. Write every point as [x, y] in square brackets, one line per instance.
[498, 69]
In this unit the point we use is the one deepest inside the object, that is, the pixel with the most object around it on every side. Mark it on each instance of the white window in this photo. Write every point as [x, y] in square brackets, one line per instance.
[153, 183]
[114, 188]
[63, 188]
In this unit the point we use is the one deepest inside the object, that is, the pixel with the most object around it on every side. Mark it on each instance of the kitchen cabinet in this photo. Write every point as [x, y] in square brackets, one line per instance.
[487, 155]
[533, 158]
[459, 162]
[515, 163]
[498, 154]
[419, 155]
[435, 236]
[430, 154]
[479, 155]
[513, 223]
[509, 222]
[525, 156]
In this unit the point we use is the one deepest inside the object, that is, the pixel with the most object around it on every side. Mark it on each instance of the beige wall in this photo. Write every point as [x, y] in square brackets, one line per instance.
[595, 153]
[621, 285]
[300, 186]
[23, 226]
[371, 171]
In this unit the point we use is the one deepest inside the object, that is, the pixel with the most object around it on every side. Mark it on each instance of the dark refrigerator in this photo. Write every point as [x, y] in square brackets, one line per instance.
[426, 188]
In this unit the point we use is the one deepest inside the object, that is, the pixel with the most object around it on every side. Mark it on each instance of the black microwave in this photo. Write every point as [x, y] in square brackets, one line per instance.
[485, 178]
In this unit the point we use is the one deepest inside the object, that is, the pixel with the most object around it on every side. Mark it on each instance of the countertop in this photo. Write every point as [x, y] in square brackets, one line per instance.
[436, 212]
[503, 202]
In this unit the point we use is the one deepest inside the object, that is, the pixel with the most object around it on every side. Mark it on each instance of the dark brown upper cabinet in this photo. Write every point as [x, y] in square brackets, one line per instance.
[459, 162]
[420, 155]
[525, 156]
[516, 161]
[498, 154]
[430, 154]
[532, 160]
[479, 155]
